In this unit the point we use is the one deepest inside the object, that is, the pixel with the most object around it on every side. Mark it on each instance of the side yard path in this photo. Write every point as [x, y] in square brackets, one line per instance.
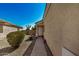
[35, 47]
[38, 48]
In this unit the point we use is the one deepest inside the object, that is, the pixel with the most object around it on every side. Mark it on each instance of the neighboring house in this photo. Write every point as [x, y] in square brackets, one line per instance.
[6, 28]
[39, 28]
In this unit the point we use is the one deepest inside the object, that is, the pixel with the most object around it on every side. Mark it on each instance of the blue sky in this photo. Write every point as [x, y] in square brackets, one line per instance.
[22, 14]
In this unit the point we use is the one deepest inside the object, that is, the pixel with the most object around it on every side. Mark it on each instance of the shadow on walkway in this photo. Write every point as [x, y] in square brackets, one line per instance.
[49, 53]
[7, 50]
[30, 48]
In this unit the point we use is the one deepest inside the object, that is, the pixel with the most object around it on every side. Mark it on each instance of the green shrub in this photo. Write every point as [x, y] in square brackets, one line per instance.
[26, 32]
[23, 31]
[15, 38]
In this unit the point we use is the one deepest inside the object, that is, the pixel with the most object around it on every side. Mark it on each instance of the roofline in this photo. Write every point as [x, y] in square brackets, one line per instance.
[39, 21]
[45, 13]
[10, 25]
[46, 10]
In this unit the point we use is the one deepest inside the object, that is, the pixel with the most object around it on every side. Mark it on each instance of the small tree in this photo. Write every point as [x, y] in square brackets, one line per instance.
[33, 31]
[28, 29]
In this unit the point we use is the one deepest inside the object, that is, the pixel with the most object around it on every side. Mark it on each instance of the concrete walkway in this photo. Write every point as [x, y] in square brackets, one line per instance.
[39, 48]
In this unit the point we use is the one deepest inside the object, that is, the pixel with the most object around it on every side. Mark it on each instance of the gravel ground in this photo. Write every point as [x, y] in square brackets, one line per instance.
[5, 48]
[4, 43]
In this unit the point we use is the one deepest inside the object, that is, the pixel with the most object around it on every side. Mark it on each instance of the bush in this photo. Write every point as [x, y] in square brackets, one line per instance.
[26, 32]
[15, 38]
[23, 31]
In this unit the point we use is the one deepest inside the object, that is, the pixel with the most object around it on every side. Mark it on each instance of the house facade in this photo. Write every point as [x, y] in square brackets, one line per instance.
[52, 30]
[61, 28]
[6, 28]
[39, 28]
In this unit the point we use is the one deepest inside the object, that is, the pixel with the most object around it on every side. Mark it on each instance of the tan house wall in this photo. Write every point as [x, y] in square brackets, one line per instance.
[36, 31]
[62, 28]
[40, 28]
[39, 31]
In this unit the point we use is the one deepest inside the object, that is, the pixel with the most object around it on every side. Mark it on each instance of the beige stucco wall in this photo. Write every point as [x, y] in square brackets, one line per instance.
[62, 28]
[39, 31]
[6, 30]
[36, 31]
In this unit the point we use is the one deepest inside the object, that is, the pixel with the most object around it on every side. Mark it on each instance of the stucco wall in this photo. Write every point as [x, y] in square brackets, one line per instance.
[53, 32]
[39, 31]
[6, 30]
[62, 28]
